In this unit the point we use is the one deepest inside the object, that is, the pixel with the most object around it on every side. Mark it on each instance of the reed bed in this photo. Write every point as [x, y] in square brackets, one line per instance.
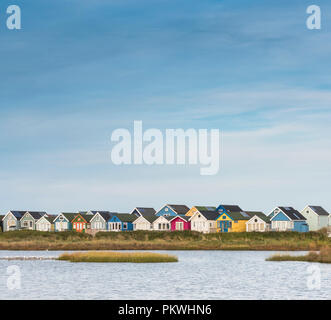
[121, 257]
[156, 240]
[323, 256]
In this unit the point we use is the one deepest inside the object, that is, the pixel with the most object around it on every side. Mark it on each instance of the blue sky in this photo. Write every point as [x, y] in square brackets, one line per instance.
[80, 69]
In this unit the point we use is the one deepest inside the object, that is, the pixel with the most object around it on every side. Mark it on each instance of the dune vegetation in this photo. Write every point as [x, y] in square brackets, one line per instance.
[156, 240]
[323, 256]
[123, 257]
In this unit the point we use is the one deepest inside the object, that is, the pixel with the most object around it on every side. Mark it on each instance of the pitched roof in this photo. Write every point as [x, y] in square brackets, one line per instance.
[186, 218]
[87, 217]
[150, 219]
[126, 217]
[239, 215]
[205, 208]
[260, 214]
[169, 218]
[319, 210]
[48, 218]
[18, 214]
[106, 214]
[292, 213]
[94, 212]
[179, 208]
[209, 215]
[70, 216]
[36, 214]
[231, 208]
[146, 211]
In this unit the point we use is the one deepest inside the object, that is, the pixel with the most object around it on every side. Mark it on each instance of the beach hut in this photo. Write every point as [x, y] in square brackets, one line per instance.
[229, 208]
[173, 210]
[258, 222]
[204, 221]
[82, 222]
[232, 221]
[180, 223]
[288, 219]
[12, 220]
[162, 223]
[144, 223]
[195, 209]
[121, 222]
[29, 219]
[317, 217]
[62, 222]
[45, 223]
[99, 220]
[140, 211]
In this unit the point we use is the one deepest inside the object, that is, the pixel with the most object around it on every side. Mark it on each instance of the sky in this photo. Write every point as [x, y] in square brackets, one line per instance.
[79, 69]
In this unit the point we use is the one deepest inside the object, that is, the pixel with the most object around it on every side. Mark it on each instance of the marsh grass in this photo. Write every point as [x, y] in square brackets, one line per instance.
[323, 256]
[122, 257]
[156, 240]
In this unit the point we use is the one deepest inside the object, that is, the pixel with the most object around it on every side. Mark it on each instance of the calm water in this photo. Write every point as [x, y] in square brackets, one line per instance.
[198, 275]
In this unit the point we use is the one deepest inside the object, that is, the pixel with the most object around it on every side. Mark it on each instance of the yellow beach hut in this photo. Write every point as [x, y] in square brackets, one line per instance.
[232, 221]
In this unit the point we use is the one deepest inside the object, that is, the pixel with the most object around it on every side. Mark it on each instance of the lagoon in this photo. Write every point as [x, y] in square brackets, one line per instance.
[214, 275]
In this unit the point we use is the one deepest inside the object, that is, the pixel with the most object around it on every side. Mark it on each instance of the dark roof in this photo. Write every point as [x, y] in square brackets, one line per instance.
[146, 211]
[319, 210]
[292, 213]
[49, 218]
[87, 217]
[126, 217]
[36, 214]
[259, 214]
[70, 216]
[179, 208]
[232, 208]
[150, 219]
[209, 215]
[239, 215]
[205, 208]
[106, 214]
[18, 214]
[94, 212]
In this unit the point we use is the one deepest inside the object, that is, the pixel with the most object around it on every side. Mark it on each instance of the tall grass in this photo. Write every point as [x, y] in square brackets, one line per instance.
[124, 257]
[157, 240]
[323, 256]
